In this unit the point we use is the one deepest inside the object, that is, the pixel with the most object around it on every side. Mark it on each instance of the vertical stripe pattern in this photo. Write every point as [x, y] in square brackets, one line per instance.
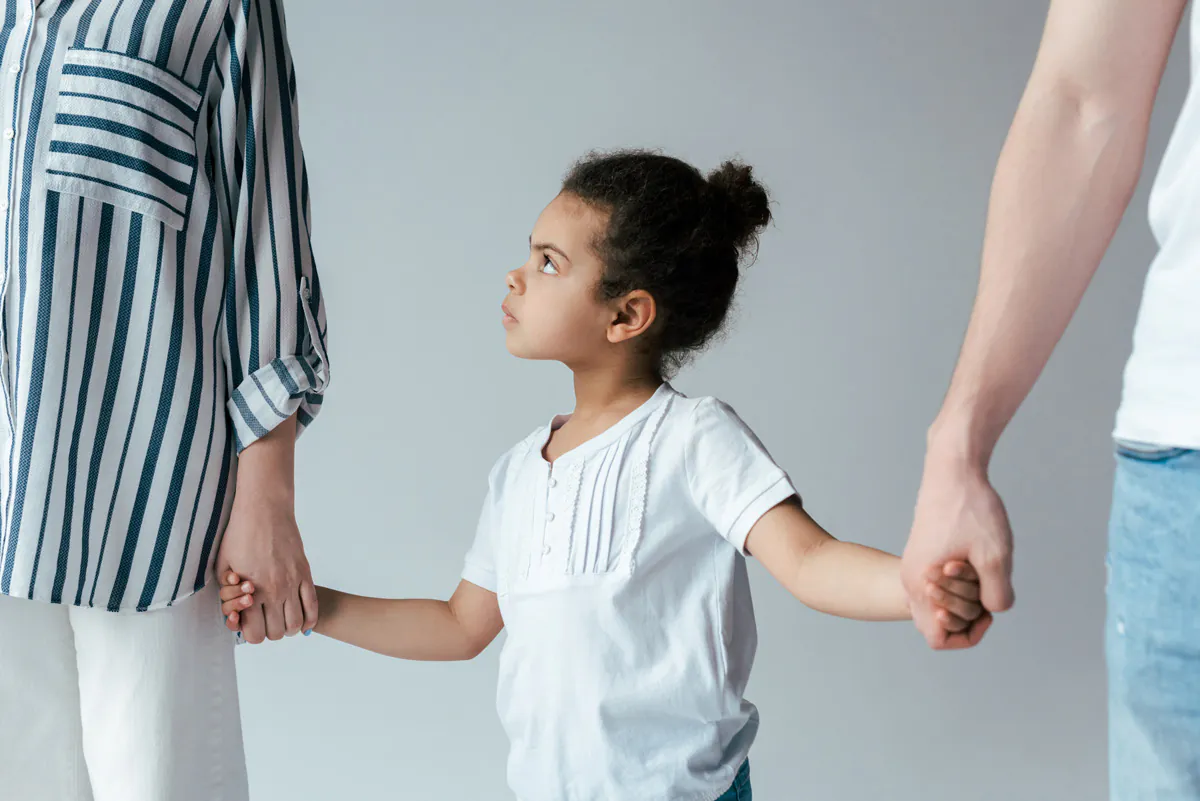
[160, 309]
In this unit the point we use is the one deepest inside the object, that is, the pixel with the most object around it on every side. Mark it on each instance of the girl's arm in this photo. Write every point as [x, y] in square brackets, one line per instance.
[418, 629]
[838, 578]
[423, 630]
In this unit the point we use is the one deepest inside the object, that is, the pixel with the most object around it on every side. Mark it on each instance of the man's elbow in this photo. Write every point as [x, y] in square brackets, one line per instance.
[1093, 111]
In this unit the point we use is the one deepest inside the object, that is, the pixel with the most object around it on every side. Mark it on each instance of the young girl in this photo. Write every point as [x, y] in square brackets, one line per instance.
[612, 541]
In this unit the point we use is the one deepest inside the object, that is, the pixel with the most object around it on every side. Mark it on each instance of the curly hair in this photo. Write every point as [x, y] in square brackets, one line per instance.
[675, 234]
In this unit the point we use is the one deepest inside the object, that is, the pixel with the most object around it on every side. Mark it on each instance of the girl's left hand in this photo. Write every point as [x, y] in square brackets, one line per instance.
[954, 589]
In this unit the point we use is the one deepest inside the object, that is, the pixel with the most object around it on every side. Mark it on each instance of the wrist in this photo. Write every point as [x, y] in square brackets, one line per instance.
[327, 602]
[902, 603]
[265, 489]
[960, 442]
[266, 469]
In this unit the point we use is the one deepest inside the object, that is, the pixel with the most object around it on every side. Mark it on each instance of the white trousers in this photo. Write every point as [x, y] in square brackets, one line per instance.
[96, 706]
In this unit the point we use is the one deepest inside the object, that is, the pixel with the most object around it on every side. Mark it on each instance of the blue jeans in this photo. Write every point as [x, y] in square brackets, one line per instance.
[740, 791]
[1153, 631]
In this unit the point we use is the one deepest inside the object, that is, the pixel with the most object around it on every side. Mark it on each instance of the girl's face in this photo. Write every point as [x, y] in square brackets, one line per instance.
[553, 309]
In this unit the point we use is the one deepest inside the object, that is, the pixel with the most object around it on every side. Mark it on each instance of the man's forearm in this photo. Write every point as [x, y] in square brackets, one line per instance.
[1062, 184]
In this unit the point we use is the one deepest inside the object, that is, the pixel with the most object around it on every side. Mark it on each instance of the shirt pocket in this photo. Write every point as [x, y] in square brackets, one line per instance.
[124, 133]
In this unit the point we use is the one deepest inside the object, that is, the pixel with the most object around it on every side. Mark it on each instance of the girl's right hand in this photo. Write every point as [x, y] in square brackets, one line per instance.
[236, 595]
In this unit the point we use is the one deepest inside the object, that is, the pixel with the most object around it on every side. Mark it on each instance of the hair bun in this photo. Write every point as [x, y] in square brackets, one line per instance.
[741, 204]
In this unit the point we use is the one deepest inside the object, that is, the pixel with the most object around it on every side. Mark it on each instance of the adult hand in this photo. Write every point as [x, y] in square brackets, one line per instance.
[262, 542]
[959, 516]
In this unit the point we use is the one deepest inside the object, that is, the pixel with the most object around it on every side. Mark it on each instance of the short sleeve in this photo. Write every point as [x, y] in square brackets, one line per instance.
[732, 478]
[480, 563]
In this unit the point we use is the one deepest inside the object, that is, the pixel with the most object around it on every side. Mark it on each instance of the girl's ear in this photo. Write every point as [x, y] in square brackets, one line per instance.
[633, 314]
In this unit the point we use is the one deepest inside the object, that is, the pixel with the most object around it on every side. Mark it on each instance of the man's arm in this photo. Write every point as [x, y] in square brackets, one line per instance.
[1063, 181]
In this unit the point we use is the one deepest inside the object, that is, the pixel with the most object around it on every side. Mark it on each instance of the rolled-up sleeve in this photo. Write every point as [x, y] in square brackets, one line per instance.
[274, 336]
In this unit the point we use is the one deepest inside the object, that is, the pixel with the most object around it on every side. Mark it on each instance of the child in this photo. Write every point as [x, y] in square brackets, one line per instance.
[612, 541]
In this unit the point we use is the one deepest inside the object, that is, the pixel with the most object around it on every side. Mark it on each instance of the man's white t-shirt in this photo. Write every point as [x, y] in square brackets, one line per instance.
[621, 577]
[1161, 402]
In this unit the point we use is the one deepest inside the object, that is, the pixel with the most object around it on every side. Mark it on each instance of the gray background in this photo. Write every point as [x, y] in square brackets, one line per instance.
[435, 135]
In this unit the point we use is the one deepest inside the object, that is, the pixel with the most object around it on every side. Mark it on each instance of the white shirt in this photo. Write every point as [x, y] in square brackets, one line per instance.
[159, 304]
[1161, 402]
[621, 577]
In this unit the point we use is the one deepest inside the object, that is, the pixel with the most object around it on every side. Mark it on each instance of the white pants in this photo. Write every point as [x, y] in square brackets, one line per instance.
[96, 706]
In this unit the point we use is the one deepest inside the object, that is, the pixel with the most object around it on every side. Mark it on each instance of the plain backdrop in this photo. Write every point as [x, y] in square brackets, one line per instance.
[435, 134]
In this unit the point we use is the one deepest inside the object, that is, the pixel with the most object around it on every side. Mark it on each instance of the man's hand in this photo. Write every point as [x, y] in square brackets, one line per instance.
[262, 542]
[959, 516]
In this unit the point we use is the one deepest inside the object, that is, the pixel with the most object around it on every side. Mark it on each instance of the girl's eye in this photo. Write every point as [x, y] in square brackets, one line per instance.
[548, 267]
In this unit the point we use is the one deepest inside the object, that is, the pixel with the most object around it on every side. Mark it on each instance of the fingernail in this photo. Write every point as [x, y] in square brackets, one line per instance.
[308, 633]
[246, 587]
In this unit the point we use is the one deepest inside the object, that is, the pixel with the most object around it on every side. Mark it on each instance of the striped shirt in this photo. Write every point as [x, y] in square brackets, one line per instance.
[161, 309]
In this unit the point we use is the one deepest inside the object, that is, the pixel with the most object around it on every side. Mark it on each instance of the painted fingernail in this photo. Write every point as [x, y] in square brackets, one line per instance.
[308, 633]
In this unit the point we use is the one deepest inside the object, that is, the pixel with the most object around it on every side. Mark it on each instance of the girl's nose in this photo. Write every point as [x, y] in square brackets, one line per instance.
[513, 279]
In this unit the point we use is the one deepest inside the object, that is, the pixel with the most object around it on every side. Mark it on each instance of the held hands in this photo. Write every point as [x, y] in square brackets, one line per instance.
[959, 520]
[953, 590]
[262, 541]
[237, 595]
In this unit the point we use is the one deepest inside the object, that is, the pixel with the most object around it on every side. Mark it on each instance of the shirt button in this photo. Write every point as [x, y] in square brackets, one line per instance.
[550, 517]
[3, 205]
[9, 133]
[546, 551]
[553, 483]
[14, 69]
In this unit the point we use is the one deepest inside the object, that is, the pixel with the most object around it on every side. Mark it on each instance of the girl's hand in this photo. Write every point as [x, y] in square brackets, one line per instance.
[954, 590]
[236, 595]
